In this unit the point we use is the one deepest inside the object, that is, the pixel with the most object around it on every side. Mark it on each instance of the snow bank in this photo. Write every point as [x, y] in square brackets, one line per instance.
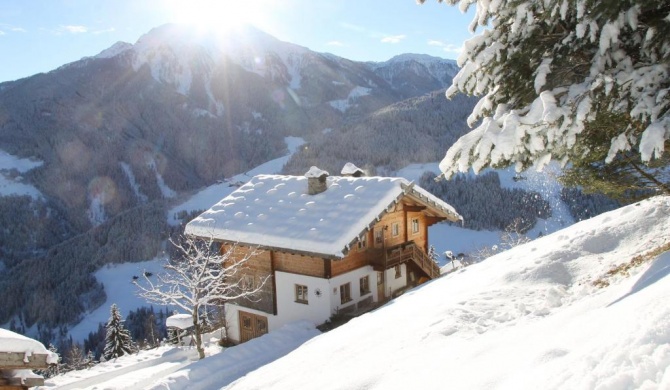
[223, 368]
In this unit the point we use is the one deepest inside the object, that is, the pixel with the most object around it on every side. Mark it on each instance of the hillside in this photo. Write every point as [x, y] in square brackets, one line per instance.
[548, 314]
[567, 311]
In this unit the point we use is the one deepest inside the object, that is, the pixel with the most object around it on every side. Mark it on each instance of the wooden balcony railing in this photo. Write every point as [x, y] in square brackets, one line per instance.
[406, 253]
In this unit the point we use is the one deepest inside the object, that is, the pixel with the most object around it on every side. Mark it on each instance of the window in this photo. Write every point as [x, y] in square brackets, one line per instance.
[395, 229]
[398, 271]
[261, 325]
[301, 293]
[363, 242]
[345, 293]
[247, 282]
[246, 322]
[364, 285]
[415, 225]
[380, 277]
[379, 236]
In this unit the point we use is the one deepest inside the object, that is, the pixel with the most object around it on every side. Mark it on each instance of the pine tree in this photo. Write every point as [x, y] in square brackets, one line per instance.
[75, 358]
[117, 340]
[597, 92]
[432, 253]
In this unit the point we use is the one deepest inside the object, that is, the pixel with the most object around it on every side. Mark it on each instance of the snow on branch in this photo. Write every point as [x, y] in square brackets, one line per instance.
[201, 276]
[545, 70]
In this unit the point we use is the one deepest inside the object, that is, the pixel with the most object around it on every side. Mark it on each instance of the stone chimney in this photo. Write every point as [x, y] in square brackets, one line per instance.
[316, 180]
[352, 170]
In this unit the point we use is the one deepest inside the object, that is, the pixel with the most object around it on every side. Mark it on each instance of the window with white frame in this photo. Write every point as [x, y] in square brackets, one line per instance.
[415, 225]
[301, 293]
[395, 229]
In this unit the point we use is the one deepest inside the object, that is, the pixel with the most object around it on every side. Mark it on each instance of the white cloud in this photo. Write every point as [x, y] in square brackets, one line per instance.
[8, 27]
[393, 38]
[335, 43]
[2, 33]
[74, 29]
[447, 47]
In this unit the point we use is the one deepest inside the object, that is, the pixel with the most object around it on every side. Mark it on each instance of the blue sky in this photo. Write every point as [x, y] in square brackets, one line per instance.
[40, 35]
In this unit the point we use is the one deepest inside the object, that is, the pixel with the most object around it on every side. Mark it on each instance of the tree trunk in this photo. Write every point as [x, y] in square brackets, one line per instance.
[198, 336]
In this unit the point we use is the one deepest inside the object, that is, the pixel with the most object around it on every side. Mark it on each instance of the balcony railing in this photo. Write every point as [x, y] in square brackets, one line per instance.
[405, 253]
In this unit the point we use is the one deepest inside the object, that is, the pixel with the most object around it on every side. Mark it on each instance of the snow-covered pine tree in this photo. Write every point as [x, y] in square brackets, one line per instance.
[582, 81]
[75, 358]
[432, 253]
[117, 339]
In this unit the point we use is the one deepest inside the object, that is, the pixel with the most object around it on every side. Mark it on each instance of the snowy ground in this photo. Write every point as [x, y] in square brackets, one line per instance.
[11, 168]
[117, 280]
[528, 318]
[179, 367]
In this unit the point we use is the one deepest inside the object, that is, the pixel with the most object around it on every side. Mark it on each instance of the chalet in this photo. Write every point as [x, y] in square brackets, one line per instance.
[328, 244]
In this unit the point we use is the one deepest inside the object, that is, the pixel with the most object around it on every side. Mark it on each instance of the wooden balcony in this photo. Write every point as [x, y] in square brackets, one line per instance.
[14, 361]
[407, 252]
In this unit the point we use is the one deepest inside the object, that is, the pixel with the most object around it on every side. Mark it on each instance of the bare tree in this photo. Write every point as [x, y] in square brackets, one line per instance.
[202, 276]
[512, 236]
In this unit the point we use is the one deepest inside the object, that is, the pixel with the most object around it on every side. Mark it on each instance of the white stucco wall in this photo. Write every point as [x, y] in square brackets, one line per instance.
[317, 309]
[393, 284]
[352, 277]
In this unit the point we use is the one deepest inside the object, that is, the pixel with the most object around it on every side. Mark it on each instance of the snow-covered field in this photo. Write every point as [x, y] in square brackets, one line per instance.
[117, 280]
[10, 179]
[528, 318]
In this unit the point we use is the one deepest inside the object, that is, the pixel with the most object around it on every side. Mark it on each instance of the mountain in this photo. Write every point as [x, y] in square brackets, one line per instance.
[410, 74]
[116, 137]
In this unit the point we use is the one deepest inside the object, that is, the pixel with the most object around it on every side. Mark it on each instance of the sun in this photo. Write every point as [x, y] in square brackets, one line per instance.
[217, 15]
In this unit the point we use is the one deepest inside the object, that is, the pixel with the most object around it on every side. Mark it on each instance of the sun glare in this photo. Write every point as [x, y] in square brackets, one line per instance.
[220, 16]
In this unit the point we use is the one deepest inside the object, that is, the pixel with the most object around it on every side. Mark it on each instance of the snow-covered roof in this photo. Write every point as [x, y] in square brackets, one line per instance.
[350, 169]
[315, 172]
[276, 211]
[14, 342]
[179, 321]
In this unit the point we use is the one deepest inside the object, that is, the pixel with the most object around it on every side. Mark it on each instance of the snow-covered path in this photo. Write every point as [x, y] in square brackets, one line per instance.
[179, 368]
[135, 371]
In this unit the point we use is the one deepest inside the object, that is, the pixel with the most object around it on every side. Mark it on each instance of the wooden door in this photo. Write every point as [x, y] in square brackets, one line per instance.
[380, 286]
[252, 325]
